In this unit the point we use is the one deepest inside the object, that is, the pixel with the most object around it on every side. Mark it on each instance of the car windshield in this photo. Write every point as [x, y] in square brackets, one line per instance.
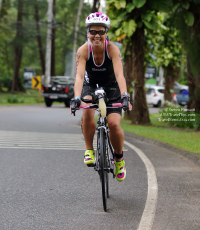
[62, 80]
[150, 91]
[161, 90]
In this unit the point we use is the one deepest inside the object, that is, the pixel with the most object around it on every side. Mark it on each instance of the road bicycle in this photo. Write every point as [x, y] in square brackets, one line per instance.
[104, 154]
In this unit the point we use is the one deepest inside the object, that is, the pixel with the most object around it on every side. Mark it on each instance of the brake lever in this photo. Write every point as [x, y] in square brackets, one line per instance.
[73, 108]
[74, 112]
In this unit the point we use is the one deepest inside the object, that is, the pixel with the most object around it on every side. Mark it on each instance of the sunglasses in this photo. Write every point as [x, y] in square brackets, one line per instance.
[100, 32]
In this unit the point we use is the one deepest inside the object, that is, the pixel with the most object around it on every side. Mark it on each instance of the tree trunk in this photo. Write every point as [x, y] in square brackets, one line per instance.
[191, 85]
[128, 75]
[193, 66]
[75, 38]
[96, 5]
[53, 46]
[171, 75]
[0, 8]
[140, 112]
[39, 39]
[197, 100]
[16, 85]
[197, 94]
[1, 90]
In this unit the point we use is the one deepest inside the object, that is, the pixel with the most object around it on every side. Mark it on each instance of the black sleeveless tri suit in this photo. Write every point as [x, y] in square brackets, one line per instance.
[103, 75]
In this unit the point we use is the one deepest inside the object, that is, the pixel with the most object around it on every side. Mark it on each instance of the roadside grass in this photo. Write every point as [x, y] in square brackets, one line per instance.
[29, 97]
[186, 139]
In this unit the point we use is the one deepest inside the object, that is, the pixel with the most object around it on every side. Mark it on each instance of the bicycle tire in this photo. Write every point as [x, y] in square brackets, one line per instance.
[107, 185]
[109, 148]
[103, 166]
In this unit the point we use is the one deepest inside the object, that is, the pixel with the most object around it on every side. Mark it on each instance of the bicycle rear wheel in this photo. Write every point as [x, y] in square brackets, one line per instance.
[103, 169]
[107, 185]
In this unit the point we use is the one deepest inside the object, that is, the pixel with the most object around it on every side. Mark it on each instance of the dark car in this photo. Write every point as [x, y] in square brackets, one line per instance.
[61, 89]
[182, 97]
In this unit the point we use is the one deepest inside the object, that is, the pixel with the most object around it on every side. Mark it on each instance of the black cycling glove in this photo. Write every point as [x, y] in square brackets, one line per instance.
[125, 103]
[75, 103]
[125, 100]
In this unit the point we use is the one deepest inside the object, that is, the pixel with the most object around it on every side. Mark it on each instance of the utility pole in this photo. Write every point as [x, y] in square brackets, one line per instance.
[48, 43]
[75, 39]
[0, 7]
[53, 42]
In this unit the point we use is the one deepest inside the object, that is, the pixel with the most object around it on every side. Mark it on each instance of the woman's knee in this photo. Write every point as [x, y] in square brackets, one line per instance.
[113, 125]
[88, 117]
[114, 121]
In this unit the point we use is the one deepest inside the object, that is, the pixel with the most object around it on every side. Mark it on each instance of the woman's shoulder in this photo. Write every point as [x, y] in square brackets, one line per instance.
[112, 49]
[112, 46]
[84, 46]
[83, 50]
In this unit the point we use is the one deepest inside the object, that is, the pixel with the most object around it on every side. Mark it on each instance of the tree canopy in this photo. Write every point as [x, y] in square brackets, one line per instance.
[63, 22]
[147, 29]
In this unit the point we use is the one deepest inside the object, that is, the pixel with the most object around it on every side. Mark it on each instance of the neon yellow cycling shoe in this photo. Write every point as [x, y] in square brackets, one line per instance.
[89, 157]
[120, 170]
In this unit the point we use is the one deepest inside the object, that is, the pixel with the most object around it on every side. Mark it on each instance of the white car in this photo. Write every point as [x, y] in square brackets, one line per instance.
[155, 95]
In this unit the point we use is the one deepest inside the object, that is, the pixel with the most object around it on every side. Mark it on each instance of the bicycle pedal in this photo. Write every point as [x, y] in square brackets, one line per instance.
[91, 165]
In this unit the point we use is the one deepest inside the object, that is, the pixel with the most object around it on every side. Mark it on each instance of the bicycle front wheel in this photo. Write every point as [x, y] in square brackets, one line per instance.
[103, 169]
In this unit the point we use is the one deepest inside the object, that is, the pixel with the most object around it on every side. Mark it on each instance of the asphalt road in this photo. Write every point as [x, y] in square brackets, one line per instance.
[44, 183]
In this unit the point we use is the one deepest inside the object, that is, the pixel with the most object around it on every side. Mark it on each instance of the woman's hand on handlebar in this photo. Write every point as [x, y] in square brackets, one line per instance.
[127, 105]
[74, 104]
[130, 106]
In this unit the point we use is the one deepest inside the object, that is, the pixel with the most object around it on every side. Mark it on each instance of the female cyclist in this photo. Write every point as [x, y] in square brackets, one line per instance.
[98, 61]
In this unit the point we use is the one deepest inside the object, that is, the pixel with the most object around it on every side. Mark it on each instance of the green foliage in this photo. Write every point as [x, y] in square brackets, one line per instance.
[162, 6]
[189, 18]
[66, 12]
[129, 27]
[5, 80]
[164, 43]
[120, 4]
[151, 21]
[138, 13]
[183, 80]
[14, 100]
[7, 35]
[186, 5]
[129, 7]
[64, 22]
[29, 97]
[139, 3]
[190, 34]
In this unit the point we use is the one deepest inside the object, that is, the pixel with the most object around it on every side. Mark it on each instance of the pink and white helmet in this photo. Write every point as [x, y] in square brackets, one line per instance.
[97, 19]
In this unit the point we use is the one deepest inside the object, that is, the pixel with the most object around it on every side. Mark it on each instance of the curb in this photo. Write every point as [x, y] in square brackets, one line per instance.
[195, 158]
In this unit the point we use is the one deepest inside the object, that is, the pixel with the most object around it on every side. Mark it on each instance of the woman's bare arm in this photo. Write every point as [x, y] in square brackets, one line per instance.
[115, 55]
[80, 71]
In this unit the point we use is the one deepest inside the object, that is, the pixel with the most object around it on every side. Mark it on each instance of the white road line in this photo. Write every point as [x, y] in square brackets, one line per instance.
[60, 148]
[34, 140]
[147, 219]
